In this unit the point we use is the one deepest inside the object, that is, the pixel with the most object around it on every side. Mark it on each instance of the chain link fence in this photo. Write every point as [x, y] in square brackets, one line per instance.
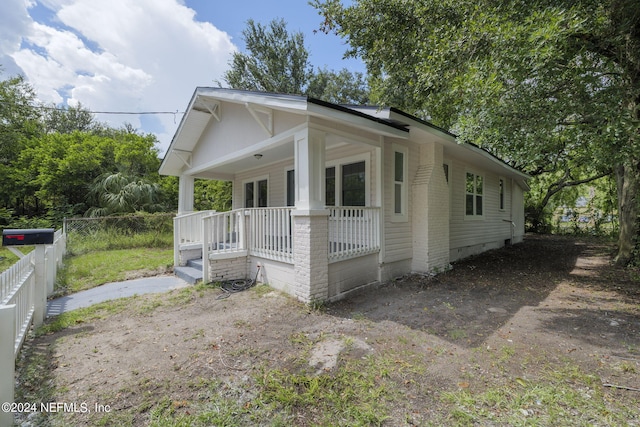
[118, 232]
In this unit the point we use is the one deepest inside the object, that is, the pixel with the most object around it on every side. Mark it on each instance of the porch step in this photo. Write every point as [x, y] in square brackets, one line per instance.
[190, 273]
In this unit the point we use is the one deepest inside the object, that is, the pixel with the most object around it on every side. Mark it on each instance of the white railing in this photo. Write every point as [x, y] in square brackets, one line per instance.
[271, 233]
[353, 232]
[187, 230]
[24, 288]
[223, 232]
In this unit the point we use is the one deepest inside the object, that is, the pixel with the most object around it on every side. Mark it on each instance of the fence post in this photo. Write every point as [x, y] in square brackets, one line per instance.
[7, 360]
[40, 286]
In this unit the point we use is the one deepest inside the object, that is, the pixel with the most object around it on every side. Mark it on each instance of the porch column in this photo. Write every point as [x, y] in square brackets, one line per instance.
[185, 194]
[430, 194]
[310, 218]
[310, 169]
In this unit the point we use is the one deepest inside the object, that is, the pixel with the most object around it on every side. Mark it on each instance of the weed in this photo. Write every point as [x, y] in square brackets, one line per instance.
[457, 334]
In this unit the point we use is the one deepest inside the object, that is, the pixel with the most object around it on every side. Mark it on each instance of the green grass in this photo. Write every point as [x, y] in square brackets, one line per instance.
[96, 268]
[565, 395]
[114, 239]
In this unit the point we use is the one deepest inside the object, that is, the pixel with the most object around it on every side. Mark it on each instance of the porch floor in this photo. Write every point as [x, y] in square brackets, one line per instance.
[190, 273]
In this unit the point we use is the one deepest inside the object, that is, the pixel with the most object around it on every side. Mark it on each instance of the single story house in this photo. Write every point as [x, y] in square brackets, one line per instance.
[328, 198]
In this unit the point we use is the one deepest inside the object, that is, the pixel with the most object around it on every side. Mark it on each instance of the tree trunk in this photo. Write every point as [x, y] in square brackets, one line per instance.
[628, 183]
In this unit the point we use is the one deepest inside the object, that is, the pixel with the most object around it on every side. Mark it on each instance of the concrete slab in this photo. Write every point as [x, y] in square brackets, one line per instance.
[114, 290]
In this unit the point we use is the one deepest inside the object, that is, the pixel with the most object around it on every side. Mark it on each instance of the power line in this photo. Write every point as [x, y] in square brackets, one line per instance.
[135, 113]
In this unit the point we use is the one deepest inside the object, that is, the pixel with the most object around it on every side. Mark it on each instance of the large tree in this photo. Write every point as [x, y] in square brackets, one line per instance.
[551, 86]
[278, 61]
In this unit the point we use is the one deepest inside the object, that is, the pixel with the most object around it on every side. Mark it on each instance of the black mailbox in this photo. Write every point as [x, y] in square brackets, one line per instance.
[38, 236]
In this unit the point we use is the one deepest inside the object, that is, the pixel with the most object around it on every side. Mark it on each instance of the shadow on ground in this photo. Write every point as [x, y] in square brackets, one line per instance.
[476, 298]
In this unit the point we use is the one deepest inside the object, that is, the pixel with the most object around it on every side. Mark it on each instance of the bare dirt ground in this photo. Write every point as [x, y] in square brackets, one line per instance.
[504, 316]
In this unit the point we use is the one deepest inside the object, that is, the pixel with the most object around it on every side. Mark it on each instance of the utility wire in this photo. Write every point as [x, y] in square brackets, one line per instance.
[44, 107]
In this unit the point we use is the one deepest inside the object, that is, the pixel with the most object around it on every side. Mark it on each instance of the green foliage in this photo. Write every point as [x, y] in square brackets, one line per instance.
[277, 62]
[212, 194]
[552, 87]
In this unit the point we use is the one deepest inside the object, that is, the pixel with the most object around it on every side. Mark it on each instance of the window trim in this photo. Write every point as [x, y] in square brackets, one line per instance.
[502, 194]
[474, 215]
[338, 163]
[403, 215]
[255, 182]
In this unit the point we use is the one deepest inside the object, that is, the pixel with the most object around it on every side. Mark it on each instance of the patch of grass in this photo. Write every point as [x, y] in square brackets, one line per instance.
[114, 239]
[352, 396]
[82, 315]
[563, 396]
[96, 268]
[457, 334]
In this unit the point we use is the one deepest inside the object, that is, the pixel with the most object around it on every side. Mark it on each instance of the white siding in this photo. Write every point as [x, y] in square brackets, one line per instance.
[473, 234]
[236, 130]
[397, 235]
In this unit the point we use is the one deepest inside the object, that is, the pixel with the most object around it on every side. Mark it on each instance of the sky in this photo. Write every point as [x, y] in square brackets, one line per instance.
[142, 55]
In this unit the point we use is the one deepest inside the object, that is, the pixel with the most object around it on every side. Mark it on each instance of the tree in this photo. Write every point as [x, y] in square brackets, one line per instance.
[278, 61]
[118, 193]
[551, 86]
[19, 121]
[69, 119]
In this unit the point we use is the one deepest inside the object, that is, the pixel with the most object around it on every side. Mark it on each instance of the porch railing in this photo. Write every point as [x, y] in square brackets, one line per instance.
[187, 230]
[353, 232]
[270, 235]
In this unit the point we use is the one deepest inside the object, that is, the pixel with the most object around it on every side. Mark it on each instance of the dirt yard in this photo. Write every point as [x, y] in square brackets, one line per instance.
[506, 319]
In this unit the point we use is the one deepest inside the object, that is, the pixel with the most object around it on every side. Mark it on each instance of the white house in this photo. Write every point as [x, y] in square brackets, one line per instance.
[328, 198]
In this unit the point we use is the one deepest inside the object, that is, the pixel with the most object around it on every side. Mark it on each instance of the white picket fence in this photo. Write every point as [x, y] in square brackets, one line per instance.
[24, 288]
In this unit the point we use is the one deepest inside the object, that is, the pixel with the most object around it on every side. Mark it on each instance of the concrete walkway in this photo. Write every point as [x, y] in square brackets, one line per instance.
[114, 290]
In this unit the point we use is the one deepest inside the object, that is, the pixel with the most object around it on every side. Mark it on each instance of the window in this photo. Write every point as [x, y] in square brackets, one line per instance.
[400, 188]
[256, 193]
[446, 171]
[353, 184]
[330, 186]
[501, 194]
[291, 188]
[473, 199]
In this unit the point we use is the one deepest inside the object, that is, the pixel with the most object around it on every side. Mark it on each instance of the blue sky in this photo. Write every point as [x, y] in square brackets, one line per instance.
[142, 55]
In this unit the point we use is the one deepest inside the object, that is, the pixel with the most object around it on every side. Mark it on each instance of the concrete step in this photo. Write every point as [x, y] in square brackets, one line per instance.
[195, 263]
[188, 274]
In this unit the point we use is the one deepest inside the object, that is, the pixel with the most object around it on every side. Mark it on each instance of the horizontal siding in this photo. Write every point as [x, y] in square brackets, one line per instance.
[398, 236]
[494, 225]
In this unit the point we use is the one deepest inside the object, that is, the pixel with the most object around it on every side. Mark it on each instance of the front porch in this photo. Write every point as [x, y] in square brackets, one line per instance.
[343, 247]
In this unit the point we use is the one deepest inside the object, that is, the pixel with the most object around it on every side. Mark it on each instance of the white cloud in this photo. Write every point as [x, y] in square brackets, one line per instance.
[117, 55]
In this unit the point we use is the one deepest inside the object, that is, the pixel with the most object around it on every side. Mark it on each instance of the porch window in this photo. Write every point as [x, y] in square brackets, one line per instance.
[353, 184]
[291, 187]
[256, 194]
[474, 195]
[330, 186]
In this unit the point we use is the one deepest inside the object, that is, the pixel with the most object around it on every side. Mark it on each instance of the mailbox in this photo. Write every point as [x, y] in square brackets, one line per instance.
[38, 236]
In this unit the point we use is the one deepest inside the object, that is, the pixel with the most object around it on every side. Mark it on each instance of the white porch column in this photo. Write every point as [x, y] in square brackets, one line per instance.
[430, 194]
[185, 194]
[310, 169]
[310, 218]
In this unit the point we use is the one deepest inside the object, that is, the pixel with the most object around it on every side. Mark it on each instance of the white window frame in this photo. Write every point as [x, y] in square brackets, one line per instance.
[403, 215]
[255, 190]
[338, 163]
[286, 185]
[474, 215]
[502, 194]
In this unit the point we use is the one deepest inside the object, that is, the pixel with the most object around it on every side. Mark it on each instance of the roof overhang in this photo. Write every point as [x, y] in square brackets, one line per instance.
[205, 106]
